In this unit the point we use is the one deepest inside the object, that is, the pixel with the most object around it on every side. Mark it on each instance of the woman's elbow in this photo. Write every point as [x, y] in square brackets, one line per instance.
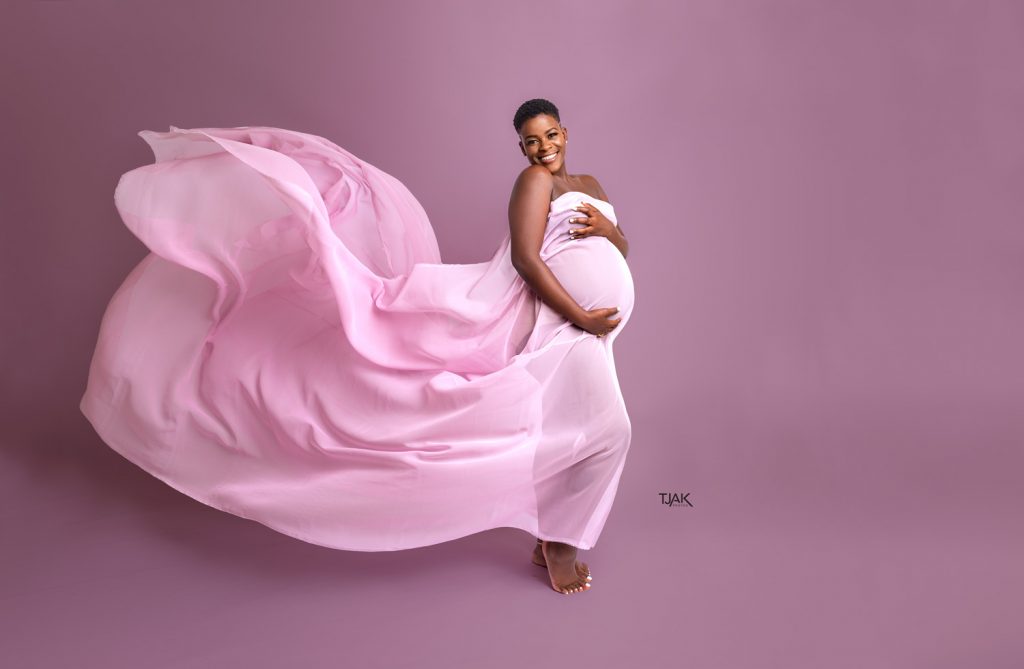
[523, 262]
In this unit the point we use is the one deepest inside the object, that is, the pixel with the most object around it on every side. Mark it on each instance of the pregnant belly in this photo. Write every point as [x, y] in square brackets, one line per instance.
[594, 272]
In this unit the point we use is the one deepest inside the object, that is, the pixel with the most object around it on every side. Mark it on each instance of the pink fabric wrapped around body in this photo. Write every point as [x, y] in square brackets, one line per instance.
[293, 351]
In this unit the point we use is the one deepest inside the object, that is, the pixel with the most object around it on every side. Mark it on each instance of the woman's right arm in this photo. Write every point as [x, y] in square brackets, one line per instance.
[527, 214]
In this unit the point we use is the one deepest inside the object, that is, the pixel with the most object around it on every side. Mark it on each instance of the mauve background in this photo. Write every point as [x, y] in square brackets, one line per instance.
[824, 207]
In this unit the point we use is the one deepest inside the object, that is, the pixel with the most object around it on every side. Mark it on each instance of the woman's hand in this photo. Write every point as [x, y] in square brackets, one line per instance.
[598, 321]
[593, 221]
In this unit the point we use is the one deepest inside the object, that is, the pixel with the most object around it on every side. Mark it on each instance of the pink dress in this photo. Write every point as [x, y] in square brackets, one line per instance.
[294, 352]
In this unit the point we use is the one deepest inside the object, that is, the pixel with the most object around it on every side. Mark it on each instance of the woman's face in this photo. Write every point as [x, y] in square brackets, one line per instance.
[542, 140]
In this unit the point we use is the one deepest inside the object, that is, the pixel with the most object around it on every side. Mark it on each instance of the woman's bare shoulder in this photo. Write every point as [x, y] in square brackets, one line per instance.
[532, 179]
[532, 188]
[595, 186]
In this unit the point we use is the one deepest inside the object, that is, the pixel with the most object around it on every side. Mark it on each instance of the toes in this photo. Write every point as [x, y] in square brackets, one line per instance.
[578, 586]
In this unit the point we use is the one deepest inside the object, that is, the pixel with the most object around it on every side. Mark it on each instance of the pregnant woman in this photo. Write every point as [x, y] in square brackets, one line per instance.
[293, 350]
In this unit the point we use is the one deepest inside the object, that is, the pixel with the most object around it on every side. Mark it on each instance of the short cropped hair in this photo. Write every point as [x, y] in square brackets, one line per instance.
[531, 108]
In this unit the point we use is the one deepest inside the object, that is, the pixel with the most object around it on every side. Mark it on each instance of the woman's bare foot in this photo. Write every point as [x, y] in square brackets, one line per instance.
[561, 561]
[538, 559]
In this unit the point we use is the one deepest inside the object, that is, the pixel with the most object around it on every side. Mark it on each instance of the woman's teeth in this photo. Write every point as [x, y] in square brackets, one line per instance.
[548, 159]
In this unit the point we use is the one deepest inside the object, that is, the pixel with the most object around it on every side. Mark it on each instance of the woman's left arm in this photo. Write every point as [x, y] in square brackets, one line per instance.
[616, 237]
[619, 239]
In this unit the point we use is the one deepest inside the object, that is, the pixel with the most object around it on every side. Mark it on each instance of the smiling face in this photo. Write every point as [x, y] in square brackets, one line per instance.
[542, 141]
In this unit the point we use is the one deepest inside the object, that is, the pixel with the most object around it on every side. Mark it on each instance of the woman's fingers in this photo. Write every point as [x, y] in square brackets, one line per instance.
[579, 232]
[583, 208]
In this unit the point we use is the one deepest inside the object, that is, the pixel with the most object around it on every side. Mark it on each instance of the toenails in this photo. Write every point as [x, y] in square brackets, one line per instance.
[568, 590]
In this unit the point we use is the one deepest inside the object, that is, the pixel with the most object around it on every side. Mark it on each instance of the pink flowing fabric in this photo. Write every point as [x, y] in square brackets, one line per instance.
[293, 351]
